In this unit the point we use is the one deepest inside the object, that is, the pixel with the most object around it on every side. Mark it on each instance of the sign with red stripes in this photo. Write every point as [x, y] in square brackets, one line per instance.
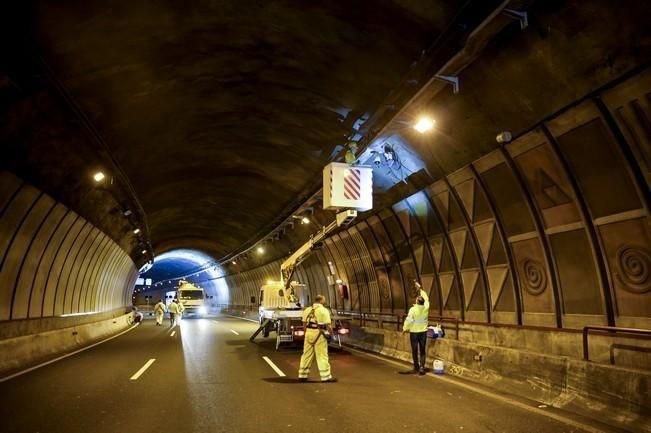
[347, 186]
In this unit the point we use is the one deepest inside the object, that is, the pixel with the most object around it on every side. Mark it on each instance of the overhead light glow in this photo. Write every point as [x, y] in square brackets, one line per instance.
[305, 220]
[260, 250]
[234, 262]
[99, 176]
[136, 231]
[424, 124]
[144, 251]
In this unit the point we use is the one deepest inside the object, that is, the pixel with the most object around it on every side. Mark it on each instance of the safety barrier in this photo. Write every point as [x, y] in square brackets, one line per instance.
[395, 319]
[609, 331]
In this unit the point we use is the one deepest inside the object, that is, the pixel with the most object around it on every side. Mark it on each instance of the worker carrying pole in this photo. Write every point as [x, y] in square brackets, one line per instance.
[316, 320]
[416, 324]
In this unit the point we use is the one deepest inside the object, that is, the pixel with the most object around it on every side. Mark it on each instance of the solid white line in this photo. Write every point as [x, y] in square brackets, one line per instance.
[242, 318]
[66, 355]
[235, 332]
[172, 334]
[489, 394]
[143, 369]
[274, 366]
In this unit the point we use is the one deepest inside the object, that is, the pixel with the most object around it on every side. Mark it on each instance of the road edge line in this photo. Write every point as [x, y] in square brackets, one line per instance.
[486, 393]
[59, 358]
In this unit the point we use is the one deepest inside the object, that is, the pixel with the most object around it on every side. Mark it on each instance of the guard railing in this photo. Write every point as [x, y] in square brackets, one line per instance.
[611, 331]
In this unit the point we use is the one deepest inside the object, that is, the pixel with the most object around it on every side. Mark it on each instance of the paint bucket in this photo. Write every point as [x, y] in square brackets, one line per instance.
[439, 367]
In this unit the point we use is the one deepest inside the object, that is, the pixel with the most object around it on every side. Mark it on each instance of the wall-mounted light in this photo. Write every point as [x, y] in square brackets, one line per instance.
[424, 124]
[99, 176]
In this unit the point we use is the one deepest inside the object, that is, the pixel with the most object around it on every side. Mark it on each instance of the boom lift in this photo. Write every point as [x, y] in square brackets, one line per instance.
[282, 302]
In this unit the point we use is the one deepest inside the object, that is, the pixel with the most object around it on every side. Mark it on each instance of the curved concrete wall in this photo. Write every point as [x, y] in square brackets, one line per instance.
[549, 230]
[52, 261]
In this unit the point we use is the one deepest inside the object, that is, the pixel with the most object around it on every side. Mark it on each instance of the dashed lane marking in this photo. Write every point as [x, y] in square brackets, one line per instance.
[4, 379]
[143, 369]
[278, 371]
[173, 333]
[235, 332]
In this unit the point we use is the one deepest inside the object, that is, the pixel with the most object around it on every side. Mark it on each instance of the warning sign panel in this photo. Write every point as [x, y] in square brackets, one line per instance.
[347, 186]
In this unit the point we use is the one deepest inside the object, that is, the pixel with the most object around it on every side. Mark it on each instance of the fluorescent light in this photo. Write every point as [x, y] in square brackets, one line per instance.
[424, 124]
[136, 231]
[99, 176]
[305, 220]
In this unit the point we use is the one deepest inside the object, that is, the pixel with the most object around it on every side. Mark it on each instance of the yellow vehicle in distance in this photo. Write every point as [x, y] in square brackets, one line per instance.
[193, 299]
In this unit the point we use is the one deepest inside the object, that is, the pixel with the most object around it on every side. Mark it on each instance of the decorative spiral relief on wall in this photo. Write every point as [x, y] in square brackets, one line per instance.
[634, 268]
[535, 277]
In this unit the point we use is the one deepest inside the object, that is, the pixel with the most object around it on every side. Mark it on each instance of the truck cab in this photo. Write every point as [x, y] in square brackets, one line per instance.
[192, 298]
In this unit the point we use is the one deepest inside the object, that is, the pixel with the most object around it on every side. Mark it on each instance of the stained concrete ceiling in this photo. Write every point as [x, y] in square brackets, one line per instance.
[218, 116]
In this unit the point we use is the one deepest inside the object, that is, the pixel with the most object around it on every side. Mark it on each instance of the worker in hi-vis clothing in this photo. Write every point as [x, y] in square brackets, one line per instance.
[316, 320]
[416, 324]
[159, 311]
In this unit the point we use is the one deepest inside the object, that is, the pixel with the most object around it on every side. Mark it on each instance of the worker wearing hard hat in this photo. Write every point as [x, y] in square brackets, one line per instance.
[316, 320]
[416, 325]
[159, 311]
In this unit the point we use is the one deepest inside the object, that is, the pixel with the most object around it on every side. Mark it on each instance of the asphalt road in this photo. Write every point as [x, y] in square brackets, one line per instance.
[207, 378]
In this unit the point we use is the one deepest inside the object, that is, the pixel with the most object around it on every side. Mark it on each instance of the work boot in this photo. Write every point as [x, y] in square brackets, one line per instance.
[332, 380]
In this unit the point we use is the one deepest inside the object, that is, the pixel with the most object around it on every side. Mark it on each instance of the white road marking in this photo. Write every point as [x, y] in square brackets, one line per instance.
[4, 379]
[143, 369]
[172, 334]
[489, 394]
[241, 318]
[278, 371]
[235, 332]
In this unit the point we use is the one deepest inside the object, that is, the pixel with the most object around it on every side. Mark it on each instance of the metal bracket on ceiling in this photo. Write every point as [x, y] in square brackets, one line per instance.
[521, 16]
[450, 79]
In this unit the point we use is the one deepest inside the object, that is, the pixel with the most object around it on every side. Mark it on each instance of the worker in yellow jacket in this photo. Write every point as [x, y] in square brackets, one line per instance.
[316, 320]
[416, 324]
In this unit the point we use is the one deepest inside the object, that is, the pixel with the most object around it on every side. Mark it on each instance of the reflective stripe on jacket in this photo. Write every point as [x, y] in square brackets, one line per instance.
[416, 320]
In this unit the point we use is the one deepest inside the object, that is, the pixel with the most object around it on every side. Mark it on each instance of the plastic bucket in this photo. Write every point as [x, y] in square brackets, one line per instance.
[439, 367]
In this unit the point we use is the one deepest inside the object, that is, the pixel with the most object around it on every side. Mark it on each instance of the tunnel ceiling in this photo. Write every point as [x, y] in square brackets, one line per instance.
[221, 114]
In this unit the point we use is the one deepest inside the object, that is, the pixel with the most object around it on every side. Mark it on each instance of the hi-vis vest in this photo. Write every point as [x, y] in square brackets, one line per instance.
[416, 320]
[317, 314]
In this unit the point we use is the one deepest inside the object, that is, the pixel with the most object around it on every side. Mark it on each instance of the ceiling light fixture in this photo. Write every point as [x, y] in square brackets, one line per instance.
[260, 250]
[424, 124]
[99, 176]
[305, 220]
[144, 251]
[136, 231]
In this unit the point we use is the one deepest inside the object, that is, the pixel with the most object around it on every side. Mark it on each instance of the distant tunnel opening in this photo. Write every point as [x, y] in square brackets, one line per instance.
[170, 267]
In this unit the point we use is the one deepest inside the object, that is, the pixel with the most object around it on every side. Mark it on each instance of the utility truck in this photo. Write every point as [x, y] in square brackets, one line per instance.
[282, 302]
[193, 299]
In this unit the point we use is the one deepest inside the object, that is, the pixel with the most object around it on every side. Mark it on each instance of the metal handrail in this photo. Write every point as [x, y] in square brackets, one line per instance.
[609, 329]
[400, 318]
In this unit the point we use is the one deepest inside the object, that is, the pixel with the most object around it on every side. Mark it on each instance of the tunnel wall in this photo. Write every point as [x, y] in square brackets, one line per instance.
[549, 230]
[53, 262]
